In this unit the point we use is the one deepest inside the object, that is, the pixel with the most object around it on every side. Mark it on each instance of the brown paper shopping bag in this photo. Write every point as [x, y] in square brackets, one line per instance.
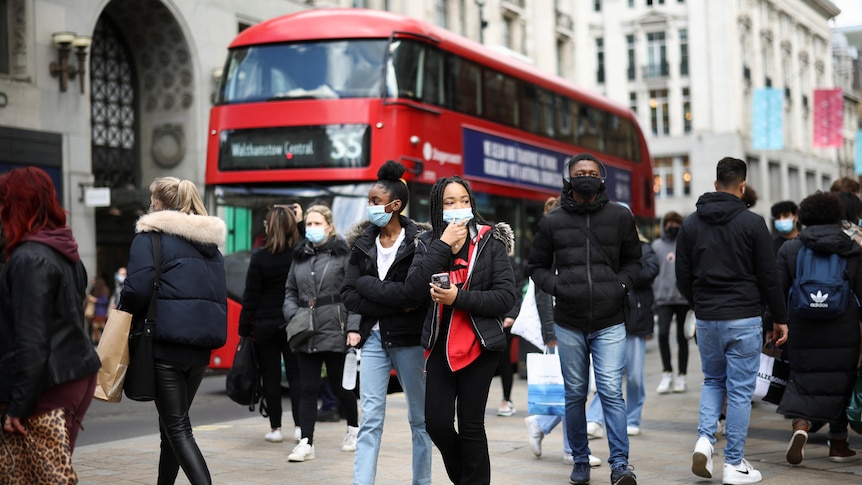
[113, 350]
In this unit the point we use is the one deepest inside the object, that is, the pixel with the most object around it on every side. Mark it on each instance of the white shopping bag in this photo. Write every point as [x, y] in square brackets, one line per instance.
[545, 391]
[528, 325]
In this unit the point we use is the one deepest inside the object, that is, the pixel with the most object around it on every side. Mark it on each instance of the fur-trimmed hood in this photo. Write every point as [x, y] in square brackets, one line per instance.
[357, 230]
[504, 233]
[192, 227]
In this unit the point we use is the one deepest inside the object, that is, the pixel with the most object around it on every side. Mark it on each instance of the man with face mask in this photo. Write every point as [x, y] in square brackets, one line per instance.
[784, 222]
[587, 255]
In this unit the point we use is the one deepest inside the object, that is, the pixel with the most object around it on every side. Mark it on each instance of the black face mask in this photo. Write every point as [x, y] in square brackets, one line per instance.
[586, 187]
[672, 231]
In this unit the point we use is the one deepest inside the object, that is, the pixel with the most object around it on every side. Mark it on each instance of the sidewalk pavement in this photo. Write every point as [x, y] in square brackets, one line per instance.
[237, 453]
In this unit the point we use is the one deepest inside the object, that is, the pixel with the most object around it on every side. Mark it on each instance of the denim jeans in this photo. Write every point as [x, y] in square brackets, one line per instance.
[375, 366]
[608, 349]
[730, 357]
[635, 392]
[548, 422]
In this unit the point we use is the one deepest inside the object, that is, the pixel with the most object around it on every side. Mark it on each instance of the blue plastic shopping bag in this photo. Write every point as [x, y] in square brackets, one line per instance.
[545, 392]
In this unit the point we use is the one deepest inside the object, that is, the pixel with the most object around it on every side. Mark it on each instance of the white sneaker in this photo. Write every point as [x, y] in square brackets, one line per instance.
[297, 433]
[506, 409]
[633, 430]
[535, 435]
[349, 443]
[664, 383]
[301, 452]
[594, 430]
[720, 429]
[741, 473]
[701, 459]
[274, 436]
[595, 461]
[679, 383]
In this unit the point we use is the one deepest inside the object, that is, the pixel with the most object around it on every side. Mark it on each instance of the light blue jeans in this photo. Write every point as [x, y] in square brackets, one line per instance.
[550, 421]
[730, 357]
[635, 392]
[608, 349]
[374, 369]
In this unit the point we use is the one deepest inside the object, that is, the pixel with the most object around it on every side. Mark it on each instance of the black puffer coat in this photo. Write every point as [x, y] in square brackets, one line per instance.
[491, 284]
[383, 301]
[42, 340]
[823, 353]
[318, 272]
[191, 308]
[590, 292]
[641, 299]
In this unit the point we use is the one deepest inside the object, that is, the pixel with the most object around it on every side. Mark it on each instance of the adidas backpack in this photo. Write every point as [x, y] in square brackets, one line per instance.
[821, 289]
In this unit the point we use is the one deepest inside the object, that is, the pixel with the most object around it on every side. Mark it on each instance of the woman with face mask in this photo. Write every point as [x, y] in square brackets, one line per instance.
[382, 249]
[463, 329]
[314, 281]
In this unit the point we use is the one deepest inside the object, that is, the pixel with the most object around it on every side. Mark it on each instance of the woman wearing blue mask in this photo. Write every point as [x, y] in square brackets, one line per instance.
[463, 330]
[382, 249]
[314, 281]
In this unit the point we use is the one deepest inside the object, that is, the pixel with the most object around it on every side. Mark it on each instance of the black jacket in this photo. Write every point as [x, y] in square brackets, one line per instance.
[191, 307]
[263, 297]
[384, 301]
[641, 299]
[823, 353]
[42, 339]
[318, 272]
[590, 284]
[491, 284]
[725, 266]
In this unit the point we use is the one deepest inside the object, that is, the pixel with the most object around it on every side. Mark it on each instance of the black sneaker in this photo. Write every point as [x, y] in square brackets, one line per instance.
[580, 474]
[622, 474]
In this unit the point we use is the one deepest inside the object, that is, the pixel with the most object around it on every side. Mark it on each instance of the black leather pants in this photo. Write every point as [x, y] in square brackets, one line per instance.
[176, 385]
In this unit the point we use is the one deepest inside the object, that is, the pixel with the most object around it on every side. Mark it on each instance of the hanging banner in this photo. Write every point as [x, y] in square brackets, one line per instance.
[767, 119]
[858, 163]
[828, 118]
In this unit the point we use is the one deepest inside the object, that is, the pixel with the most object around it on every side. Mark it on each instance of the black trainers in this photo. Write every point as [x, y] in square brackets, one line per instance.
[580, 474]
[622, 474]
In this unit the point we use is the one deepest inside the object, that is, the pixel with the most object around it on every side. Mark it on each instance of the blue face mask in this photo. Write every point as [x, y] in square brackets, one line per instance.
[315, 234]
[378, 216]
[784, 226]
[458, 215]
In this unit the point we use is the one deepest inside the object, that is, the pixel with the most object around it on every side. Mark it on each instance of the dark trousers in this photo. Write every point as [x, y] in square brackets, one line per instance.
[73, 396]
[271, 343]
[665, 314]
[176, 385]
[309, 374]
[504, 368]
[465, 450]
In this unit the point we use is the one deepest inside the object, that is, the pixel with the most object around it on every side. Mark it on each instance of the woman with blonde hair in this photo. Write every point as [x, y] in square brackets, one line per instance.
[191, 311]
[261, 315]
[314, 281]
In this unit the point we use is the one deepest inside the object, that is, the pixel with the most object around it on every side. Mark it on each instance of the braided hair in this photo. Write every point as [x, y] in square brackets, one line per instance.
[389, 179]
[436, 204]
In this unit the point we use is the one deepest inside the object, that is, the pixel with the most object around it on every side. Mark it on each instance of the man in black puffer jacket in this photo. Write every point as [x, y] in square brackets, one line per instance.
[587, 254]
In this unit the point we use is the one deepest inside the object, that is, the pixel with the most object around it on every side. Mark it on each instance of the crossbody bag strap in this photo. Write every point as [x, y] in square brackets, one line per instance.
[157, 264]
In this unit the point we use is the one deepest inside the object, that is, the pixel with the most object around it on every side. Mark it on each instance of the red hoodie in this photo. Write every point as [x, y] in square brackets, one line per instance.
[61, 239]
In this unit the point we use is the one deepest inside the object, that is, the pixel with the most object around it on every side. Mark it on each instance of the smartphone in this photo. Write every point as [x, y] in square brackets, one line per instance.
[441, 280]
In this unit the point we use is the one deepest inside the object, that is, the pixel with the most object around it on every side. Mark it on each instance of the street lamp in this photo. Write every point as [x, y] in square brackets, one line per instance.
[482, 22]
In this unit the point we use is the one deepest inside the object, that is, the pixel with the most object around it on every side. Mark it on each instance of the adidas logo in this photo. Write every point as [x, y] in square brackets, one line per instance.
[818, 300]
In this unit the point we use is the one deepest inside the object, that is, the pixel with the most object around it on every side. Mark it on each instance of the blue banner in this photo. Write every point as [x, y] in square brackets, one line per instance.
[508, 162]
[858, 163]
[767, 110]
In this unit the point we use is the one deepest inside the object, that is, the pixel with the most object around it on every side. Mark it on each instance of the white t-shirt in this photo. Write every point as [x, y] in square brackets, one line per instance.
[385, 258]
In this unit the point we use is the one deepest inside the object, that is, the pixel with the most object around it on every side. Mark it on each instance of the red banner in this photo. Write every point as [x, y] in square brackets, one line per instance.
[828, 118]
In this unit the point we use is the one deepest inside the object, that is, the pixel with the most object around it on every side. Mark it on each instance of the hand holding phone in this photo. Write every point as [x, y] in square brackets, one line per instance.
[441, 280]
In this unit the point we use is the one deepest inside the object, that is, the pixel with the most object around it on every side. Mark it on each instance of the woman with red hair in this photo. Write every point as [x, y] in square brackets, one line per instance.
[46, 360]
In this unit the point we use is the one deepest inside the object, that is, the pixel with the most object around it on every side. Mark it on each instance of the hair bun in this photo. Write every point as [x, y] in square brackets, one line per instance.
[390, 171]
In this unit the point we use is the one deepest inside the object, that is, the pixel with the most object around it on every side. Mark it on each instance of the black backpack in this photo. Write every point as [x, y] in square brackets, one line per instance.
[243, 382]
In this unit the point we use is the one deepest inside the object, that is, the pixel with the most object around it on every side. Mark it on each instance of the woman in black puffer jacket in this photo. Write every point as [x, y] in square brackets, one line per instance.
[463, 330]
[823, 353]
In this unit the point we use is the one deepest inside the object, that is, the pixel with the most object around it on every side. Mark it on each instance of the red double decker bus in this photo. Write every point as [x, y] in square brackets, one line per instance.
[311, 104]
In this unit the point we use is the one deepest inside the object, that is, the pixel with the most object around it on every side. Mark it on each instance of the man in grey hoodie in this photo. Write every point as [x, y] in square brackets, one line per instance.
[669, 302]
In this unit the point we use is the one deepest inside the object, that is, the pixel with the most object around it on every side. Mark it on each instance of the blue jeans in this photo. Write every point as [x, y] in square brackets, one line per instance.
[550, 421]
[635, 392]
[375, 366]
[730, 357]
[608, 349]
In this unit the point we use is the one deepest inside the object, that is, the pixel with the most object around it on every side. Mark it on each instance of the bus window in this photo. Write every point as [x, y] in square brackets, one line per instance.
[564, 119]
[465, 86]
[404, 79]
[432, 86]
[303, 70]
[501, 98]
[529, 107]
[546, 101]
